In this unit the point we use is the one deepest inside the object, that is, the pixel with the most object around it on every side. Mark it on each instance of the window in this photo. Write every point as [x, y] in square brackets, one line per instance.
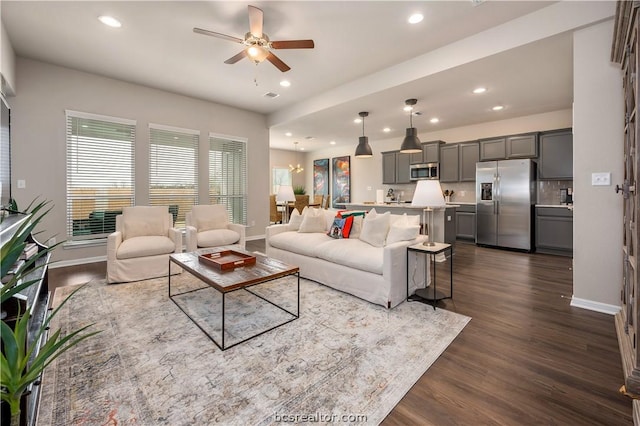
[100, 173]
[173, 169]
[281, 176]
[228, 175]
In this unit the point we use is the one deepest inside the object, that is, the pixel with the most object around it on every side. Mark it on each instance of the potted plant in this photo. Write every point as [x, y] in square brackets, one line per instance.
[20, 365]
[299, 190]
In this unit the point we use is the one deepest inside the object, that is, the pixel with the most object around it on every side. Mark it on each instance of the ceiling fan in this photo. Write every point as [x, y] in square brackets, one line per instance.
[258, 46]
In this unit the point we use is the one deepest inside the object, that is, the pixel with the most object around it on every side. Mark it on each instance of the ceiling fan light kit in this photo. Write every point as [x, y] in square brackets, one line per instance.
[258, 46]
[411, 143]
[363, 150]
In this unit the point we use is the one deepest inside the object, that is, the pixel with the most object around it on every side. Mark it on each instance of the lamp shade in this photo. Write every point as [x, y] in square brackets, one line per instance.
[411, 143]
[428, 194]
[363, 150]
[285, 194]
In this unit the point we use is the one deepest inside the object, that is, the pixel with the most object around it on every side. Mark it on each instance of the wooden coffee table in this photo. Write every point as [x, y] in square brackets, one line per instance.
[225, 282]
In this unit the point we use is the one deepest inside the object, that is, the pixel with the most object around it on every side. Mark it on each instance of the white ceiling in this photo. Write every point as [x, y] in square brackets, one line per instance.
[156, 47]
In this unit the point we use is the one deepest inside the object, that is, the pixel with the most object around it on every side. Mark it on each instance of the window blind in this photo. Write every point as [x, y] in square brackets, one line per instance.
[100, 173]
[228, 175]
[173, 169]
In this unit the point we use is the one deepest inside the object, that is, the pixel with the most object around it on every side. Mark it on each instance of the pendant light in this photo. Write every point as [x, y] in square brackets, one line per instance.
[364, 149]
[298, 168]
[411, 143]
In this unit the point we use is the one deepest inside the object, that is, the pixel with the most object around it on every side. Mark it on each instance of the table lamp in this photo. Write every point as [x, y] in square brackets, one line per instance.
[285, 195]
[428, 194]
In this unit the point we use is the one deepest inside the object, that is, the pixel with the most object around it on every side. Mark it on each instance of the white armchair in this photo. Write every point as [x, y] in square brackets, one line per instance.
[208, 226]
[139, 248]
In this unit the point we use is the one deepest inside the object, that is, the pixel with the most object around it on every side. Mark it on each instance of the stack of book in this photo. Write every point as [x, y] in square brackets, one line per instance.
[30, 250]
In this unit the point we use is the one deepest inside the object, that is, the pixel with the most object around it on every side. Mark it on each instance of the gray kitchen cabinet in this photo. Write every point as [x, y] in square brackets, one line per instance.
[469, 155]
[556, 155]
[522, 146]
[554, 230]
[449, 163]
[403, 173]
[389, 167]
[493, 149]
[430, 153]
[466, 222]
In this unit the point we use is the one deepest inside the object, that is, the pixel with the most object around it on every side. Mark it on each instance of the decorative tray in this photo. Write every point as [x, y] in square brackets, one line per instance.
[227, 260]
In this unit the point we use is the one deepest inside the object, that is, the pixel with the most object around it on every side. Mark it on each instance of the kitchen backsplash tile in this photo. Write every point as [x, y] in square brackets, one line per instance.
[549, 190]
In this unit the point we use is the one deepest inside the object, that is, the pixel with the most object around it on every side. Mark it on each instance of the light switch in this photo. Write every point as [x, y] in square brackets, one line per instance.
[601, 179]
[22, 184]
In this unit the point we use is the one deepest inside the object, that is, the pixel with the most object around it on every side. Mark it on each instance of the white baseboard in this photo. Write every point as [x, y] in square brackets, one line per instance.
[64, 263]
[594, 306]
[255, 237]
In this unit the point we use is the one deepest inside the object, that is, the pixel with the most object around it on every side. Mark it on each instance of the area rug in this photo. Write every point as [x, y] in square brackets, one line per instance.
[343, 361]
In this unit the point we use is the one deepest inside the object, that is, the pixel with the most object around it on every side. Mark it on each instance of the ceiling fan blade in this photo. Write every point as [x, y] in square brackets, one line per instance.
[218, 35]
[293, 44]
[236, 58]
[278, 62]
[256, 19]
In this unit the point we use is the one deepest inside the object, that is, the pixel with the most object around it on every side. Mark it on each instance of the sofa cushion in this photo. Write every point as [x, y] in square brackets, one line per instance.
[145, 246]
[313, 221]
[353, 253]
[306, 244]
[142, 221]
[217, 237]
[375, 228]
[356, 228]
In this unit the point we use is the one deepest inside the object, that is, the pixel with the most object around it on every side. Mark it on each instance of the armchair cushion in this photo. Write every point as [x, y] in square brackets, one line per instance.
[143, 221]
[217, 237]
[145, 246]
[208, 217]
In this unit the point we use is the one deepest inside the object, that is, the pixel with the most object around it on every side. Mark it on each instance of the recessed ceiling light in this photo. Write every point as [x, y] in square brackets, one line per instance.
[407, 108]
[285, 83]
[386, 130]
[434, 120]
[288, 134]
[479, 90]
[109, 21]
[358, 120]
[497, 108]
[302, 148]
[415, 18]
[332, 142]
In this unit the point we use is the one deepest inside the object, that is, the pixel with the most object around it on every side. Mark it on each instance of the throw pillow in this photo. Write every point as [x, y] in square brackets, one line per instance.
[313, 221]
[375, 228]
[296, 219]
[402, 233]
[356, 228]
[337, 228]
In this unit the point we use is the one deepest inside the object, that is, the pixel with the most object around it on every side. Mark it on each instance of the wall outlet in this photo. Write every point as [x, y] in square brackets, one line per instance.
[448, 218]
[601, 179]
[51, 241]
[368, 188]
[22, 184]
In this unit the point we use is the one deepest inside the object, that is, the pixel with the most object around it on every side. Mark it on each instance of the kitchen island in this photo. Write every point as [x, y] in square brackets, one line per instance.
[444, 219]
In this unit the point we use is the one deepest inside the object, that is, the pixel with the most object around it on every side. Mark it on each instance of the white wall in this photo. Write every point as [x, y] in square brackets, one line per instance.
[597, 147]
[366, 173]
[38, 137]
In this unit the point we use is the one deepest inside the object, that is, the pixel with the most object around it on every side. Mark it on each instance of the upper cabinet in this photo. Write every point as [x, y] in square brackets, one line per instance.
[522, 146]
[395, 167]
[449, 162]
[556, 155]
[430, 153]
[517, 146]
[469, 155]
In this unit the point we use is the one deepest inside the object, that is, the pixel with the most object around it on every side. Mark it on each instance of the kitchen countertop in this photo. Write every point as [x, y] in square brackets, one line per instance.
[462, 203]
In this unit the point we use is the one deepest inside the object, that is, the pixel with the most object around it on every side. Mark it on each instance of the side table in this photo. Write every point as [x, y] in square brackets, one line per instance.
[431, 251]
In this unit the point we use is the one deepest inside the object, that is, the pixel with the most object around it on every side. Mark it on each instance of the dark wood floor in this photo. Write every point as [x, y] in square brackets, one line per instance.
[526, 357]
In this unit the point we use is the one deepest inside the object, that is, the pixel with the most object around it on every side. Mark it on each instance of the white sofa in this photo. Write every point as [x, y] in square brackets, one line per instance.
[375, 274]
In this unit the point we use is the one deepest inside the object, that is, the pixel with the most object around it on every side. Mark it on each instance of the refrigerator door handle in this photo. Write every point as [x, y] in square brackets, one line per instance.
[497, 210]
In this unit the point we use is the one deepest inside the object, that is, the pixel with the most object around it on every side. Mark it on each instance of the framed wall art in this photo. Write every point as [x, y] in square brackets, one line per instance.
[321, 177]
[341, 181]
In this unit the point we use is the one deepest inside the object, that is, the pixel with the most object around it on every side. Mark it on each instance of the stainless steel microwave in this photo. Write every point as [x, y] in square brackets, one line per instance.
[424, 171]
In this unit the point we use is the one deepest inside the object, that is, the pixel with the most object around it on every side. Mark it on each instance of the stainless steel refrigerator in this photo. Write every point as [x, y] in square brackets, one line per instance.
[505, 195]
